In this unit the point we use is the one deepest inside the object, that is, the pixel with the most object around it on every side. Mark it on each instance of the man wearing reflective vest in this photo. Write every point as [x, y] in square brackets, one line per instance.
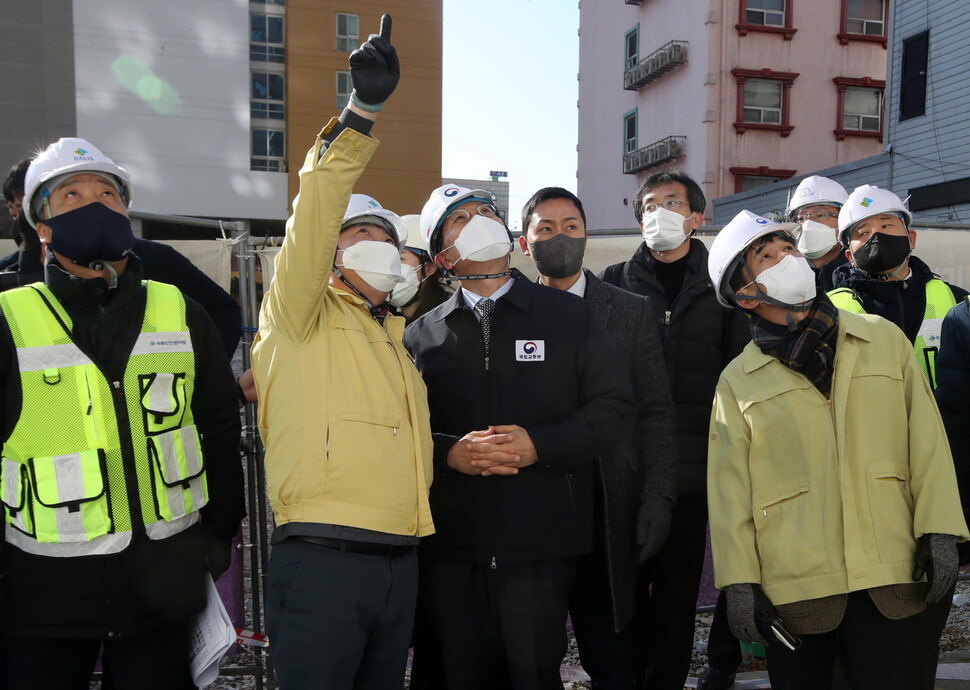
[883, 277]
[120, 475]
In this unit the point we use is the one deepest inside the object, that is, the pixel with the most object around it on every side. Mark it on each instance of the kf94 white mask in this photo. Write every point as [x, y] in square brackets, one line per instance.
[790, 281]
[483, 239]
[663, 229]
[377, 263]
[405, 291]
[815, 239]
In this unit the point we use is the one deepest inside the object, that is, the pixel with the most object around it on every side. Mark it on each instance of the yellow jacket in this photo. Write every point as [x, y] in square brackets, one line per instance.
[812, 497]
[343, 412]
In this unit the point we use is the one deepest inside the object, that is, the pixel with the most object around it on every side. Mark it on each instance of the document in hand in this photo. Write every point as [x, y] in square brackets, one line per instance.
[210, 637]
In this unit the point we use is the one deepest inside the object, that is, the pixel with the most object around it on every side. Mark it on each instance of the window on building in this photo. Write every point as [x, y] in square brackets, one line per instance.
[912, 86]
[632, 47]
[267, 2]
[864, 20]
[764, 12]
[344, 87]
[269, 150]
[859, 107]
[862, 110]
[266, 98]
[266, 38]
[763, 100]
[772, 16]
[347, 32]
[752, 178]
[630, 132]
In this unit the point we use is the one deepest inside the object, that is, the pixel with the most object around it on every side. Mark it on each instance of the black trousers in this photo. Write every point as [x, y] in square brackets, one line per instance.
[663, 629]
[604, 653]
[875, 653]
[501, 627]
[723, 649]
[67, 664]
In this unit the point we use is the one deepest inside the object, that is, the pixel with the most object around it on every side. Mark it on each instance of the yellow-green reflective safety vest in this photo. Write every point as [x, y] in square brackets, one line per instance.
[939, 299]
[90, 459]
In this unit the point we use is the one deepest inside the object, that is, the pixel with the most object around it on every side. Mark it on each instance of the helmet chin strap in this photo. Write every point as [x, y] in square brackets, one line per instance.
[763, 296]
[882, 276]
[377, 310]
[486, 276]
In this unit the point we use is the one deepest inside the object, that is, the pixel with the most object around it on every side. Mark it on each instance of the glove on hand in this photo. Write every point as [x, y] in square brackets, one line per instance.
[744, 602]
[936, 555]
[218, 555]
[653, 524]
[374, 70]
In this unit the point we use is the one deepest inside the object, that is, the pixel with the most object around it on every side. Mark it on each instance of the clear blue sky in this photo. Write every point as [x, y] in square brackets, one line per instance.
[509, 93]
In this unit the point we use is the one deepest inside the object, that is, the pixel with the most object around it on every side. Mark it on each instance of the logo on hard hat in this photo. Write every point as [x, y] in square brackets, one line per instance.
[451, 191]
[81, 152]
[373, 204]
[807, 192]
[761, 221]
[865, 201]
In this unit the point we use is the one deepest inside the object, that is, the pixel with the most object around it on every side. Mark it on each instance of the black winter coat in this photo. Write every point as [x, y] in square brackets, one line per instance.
[574, 402]
[151, 583]
[699, 338]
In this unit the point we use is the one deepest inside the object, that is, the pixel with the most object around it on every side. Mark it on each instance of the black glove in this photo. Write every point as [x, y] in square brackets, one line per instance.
[744, 603]
[218, 555]
[936, 555]
[653, 524]
[374, 70]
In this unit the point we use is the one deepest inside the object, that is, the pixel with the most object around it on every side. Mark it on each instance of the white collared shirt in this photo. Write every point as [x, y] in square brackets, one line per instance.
[579, 287]
[472, 299]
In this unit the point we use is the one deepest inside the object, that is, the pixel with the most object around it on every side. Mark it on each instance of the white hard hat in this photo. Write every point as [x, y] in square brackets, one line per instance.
[728, 248]
[817, 191]
[867, 201]
[437, 206]
[65, 157]
[363, 207]
[415, 238]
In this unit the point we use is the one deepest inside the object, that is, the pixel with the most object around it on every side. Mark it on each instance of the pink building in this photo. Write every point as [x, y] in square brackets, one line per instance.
[740, 93]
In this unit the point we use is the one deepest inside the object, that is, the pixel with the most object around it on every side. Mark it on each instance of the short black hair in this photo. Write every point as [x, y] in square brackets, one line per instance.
[13, 183]
[695, 195]
[545, 194]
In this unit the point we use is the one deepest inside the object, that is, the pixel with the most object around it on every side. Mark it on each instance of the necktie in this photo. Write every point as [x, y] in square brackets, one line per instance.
[485, 307]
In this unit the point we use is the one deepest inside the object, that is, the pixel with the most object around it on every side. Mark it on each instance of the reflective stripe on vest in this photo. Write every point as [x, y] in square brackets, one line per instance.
[63, 481]
[939, 300]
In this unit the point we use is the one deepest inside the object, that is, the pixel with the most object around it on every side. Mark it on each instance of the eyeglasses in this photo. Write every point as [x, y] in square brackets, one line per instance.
[669, 204]
[460, 216]
[818, 215]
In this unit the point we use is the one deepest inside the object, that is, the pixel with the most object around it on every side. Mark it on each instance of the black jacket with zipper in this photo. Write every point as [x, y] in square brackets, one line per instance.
[150, 583]
[699, 338]
[575, 401]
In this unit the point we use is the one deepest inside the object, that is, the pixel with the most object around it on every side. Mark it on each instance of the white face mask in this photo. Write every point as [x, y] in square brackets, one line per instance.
[816, 239]
[663, 230]
[482, 239]
[405, 291]
[377, 263]
[790, 281]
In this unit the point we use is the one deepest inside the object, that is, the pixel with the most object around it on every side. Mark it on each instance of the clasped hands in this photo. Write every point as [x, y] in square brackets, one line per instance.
[498, 450]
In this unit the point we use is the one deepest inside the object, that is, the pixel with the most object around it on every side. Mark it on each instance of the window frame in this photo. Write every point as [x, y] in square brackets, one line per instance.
[267, 48]
[346, 94]
[843, 84]
[763, 171]
[743, 27]
[269, 159]
[268, 113]
[907, 81]
[786, 79]
[352, 40]
[628, 61]
[627, 116]
[845, 35]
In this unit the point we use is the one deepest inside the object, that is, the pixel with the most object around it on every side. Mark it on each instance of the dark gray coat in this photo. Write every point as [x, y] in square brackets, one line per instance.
[643, 467]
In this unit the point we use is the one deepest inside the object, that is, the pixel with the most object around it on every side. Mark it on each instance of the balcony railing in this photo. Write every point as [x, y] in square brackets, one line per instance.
[656, 153]
[655, 65]
[633, 2]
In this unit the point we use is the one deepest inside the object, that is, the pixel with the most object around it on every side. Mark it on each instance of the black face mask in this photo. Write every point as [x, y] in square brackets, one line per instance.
[91, 235]
[559, 257]
[882, 253]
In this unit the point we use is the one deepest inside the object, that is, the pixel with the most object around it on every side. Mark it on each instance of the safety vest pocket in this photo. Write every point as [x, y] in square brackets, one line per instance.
[13, 494]
[178, 473]
[71, 496]
[162, 401]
